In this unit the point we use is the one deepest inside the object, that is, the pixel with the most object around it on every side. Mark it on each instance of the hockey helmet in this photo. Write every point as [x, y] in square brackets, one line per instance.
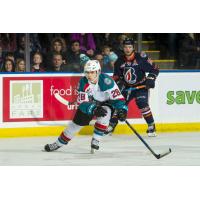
[92, 66]
[128, 41]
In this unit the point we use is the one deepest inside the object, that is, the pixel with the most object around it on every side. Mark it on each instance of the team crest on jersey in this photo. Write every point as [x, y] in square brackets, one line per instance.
[107, 81]
[129, 75]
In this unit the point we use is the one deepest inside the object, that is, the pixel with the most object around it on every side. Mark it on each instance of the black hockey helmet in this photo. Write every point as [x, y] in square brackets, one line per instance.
[128, 41]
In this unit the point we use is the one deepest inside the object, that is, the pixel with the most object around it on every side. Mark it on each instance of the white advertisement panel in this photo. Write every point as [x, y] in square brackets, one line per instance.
[176, 97]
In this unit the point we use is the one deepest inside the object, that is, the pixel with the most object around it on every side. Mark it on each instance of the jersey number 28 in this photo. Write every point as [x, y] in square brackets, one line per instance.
[115, 93]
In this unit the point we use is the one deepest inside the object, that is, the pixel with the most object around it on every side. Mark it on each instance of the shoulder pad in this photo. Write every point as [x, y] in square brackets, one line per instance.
[141, 56]
[105, 82]
[82, 83]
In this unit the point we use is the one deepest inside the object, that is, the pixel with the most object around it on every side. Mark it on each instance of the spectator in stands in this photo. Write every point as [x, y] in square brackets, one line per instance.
[109, 59]
[20, 65]
[10, 55]
[8, 41]
[58, 46]
[58, 65]
[45, 42]
[37, 63]
[99, 57]
[87, 43]
[1, 56]
[7, 56]
[102, 39]
[20, 52]
[35, 45]
[73, 59]
[131, 35]
[189, 51]
[8, 66]
[118, 47]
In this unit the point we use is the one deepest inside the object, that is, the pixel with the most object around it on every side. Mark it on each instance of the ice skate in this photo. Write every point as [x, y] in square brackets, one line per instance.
[94, 145]
[151, 131]
[51, 147]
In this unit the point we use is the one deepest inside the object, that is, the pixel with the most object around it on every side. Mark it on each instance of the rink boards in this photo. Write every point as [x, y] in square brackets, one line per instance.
[29, 106]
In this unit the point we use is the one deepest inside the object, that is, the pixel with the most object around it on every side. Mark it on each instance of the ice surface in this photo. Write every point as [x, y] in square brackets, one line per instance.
[116, 150]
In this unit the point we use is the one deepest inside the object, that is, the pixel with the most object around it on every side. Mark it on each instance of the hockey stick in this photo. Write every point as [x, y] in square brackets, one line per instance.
[129, 90]
[136, 88]
[158, 156]
[65, 102]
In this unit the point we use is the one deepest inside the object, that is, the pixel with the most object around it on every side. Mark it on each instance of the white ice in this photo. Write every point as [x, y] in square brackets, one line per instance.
[116, 150]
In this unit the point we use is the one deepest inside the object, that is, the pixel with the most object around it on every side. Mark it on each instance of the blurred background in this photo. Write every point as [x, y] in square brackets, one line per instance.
[60, 52]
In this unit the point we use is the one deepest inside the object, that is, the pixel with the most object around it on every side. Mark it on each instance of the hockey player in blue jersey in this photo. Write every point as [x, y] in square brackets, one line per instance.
[98, 95]
[130, 73]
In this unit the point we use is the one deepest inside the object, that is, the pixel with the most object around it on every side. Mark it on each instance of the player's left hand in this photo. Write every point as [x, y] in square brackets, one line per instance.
[150, 82]
[99, 112]
[122, 114]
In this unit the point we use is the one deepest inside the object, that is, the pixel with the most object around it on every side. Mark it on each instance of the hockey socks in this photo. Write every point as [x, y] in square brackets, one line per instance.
[68, 134]
[99, 131]
[151, 131]
[64, 138]
[147, 114]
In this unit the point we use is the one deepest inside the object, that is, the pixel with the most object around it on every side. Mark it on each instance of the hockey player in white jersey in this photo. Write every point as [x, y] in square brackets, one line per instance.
[98, 96]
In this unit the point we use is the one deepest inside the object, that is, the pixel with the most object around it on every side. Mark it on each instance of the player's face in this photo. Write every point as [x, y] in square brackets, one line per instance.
[128, 49]
[91, 76]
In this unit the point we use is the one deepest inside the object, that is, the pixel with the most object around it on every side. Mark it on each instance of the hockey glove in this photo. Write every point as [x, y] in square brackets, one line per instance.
[122, 114]
[150, 81]
[99, 111]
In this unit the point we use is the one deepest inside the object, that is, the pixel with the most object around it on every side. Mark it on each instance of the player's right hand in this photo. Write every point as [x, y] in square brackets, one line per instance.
[99, 111]
[122, 114]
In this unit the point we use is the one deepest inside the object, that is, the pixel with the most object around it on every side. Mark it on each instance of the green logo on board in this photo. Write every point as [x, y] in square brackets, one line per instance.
[183, 97]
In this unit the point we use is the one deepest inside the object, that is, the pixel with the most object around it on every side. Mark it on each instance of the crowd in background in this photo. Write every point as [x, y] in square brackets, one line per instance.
[61, 52]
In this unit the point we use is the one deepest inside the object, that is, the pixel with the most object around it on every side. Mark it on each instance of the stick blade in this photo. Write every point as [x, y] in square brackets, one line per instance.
[163, 154]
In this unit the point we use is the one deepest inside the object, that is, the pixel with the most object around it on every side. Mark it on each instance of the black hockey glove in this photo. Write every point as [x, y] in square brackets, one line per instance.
[99, 111]
[122, 114]
[150, 81]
